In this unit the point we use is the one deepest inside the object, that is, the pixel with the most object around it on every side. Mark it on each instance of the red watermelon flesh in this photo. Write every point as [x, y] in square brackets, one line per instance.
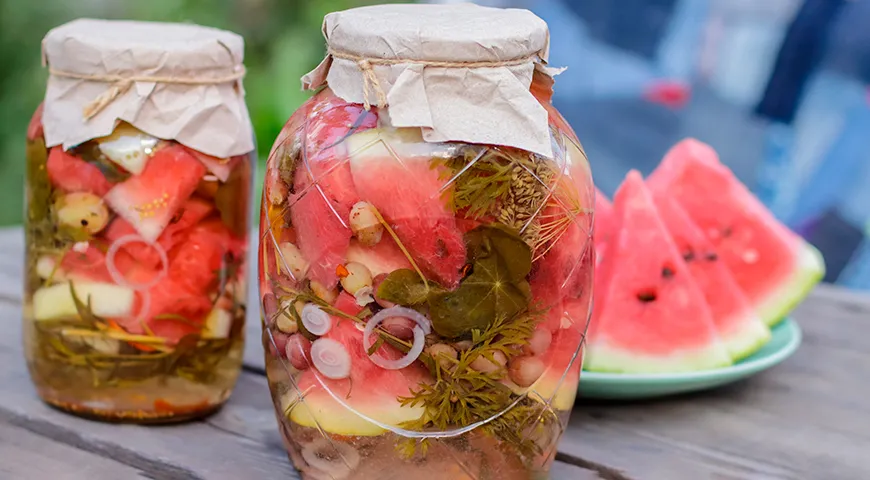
[603, 223]
[198, 261]
[737, 323]
[69, 173]
[773, 266]
[558, 384]
[192, 212]
[324, 187]
[407, 192]
[650, 315]
[370, 390]
[150, 200]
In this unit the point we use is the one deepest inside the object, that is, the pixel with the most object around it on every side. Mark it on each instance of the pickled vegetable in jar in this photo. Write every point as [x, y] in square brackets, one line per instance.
[139, 176]
[425, 257]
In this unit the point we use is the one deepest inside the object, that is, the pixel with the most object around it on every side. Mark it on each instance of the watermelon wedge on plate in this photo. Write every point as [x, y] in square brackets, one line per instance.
[650, 315]
[150, 200]
[738, 325]
[774, 267]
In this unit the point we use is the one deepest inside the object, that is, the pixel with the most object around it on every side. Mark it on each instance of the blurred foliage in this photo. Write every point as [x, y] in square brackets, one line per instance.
[283, 41]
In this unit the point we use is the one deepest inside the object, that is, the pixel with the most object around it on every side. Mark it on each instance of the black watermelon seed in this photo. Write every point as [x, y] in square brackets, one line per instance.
[689, 256]
[646, 296]
[711, 256]
[667, 272]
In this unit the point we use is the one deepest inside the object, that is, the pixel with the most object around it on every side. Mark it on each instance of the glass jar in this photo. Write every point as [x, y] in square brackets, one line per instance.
[135, 281]
[424, 302]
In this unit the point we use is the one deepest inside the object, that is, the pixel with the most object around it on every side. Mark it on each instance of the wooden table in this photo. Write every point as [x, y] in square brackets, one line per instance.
[808, 418]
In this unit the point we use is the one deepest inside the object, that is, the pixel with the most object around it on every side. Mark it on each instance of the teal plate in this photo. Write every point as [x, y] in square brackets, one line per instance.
[786, 337]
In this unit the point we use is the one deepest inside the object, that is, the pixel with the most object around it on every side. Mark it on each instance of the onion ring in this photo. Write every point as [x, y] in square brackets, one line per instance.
[116, 274]
[315, 320]
[423, 328]
[330, 358]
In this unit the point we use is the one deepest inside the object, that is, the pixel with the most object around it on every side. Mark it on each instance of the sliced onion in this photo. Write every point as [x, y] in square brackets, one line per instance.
[316, 320]
[116, 274]
[423, 327]
[330, 358]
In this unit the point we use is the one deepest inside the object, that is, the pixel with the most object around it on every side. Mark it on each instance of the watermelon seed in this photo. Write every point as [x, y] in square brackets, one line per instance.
[646, 296]
[667, 272]
[727, 232]
[711, 256]
[689, 256]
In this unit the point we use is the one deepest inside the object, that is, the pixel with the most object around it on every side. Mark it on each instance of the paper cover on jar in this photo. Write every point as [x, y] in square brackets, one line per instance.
[172, 81]
[459, 72]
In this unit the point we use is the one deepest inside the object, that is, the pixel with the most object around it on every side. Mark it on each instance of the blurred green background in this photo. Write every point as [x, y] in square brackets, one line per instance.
[283, 41]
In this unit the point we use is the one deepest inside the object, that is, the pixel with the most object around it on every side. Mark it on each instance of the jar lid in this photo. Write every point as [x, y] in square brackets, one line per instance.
[178, 82]
[459, 72]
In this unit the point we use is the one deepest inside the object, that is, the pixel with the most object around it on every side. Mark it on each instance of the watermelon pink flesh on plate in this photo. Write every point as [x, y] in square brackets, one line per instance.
[603, 223]
[773, 266]
[192, 212]
[370, 391]
[737, 323]
[407, 192]
[324, 188]
[69, 173]
[150, 200]
[650, 316]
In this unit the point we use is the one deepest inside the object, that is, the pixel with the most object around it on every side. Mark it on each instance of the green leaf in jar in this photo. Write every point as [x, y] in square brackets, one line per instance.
[504, 243]
[38, 185]
[490, 292]
[406, 287]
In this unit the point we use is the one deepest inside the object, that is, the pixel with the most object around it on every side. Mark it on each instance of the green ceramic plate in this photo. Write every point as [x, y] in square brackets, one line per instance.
[615, 386]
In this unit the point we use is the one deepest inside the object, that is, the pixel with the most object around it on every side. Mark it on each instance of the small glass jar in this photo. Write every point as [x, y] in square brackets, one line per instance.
[136, 246]
[424, 302]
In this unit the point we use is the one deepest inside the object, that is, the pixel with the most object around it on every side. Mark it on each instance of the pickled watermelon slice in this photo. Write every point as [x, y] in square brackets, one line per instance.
[774, 267]
[650, 315]
[392, 170]
[192, 212]
[69, 173]
[150, 200]
[370, 391]
[324, 187]
[737, 323]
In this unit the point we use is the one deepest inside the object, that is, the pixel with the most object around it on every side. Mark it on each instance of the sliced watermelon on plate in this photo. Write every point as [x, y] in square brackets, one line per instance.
[603, 223]
[774, 267]
[738, 325]
[149, 201]
[650, 315]
[69, 173]
[392, 170]
[340, 406]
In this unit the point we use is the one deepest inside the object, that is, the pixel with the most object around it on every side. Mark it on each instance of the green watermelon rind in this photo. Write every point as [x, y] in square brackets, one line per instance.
[604, 358]
[809, 272]
[749, 339]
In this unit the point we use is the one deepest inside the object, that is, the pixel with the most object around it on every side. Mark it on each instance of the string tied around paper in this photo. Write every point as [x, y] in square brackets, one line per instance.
[371, 84]
[121, 83]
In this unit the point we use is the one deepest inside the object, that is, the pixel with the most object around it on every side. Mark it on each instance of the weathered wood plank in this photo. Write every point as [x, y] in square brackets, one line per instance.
[25, 455]
[805, 418]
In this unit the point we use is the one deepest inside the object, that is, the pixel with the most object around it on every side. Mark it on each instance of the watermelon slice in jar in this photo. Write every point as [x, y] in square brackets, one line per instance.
[69, 173]
[774, 267]
[324, 190]
[392, 170]
[149, 201]
[347, 405]
[650, 316]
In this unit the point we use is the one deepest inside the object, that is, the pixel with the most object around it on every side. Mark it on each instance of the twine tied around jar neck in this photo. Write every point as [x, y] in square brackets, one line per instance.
[371, 82]
[120, 84]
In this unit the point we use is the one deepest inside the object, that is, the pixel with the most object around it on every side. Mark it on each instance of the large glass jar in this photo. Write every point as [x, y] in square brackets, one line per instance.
[424, 303]
[136, 246]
